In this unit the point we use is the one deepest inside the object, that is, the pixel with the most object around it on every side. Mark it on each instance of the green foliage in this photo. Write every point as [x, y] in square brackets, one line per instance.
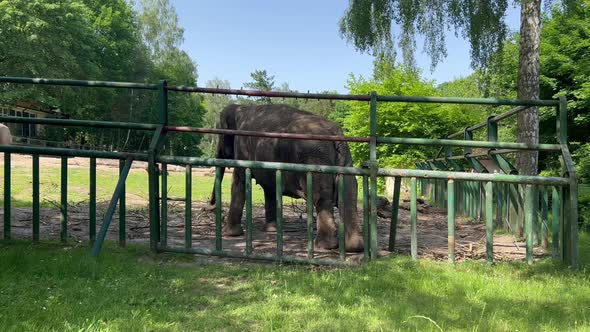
[565, 71]
[261, 81]
[159, 26]
[214, 104]
[62, 31]
[582, 157]
[162, 36]
[368, 25]
[584, 206]
[565, 67]
[401, 119]
[98, 40]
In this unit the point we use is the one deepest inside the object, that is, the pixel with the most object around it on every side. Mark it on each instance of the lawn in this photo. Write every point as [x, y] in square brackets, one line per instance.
[51, 287]
[79, 179]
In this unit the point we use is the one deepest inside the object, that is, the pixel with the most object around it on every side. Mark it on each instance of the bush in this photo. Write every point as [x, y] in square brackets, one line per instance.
[582, 160]
[584, 210]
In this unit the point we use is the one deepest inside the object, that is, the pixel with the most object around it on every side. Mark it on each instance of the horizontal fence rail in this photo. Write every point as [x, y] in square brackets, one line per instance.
[81, 83]
[80, 123]
[407, 99]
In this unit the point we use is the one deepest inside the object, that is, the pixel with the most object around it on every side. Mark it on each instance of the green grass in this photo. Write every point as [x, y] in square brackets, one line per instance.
[53, 287]
[50, 287]
[79, 179]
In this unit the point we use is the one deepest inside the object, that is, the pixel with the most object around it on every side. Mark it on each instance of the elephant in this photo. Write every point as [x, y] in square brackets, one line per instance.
[282, 118]
[5, 137]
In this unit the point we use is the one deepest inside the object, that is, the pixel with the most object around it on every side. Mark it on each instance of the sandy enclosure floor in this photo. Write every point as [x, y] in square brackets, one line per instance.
[432, 232]
[432, 226]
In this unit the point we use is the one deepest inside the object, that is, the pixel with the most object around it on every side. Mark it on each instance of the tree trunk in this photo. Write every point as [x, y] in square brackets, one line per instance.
[528, 82]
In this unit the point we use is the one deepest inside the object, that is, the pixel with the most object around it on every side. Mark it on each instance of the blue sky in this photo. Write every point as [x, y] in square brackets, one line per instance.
[296, 41]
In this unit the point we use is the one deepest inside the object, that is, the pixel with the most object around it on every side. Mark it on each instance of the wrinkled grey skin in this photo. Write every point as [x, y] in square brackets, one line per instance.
[286, 119]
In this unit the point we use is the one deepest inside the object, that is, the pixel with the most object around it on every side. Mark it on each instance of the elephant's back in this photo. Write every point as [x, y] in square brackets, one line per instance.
[283, 119]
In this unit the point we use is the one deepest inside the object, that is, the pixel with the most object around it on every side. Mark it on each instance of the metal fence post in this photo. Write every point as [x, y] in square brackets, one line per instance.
[451, 219]
[64, 199]
[374, 168]
[570, 206]
[122, 207]
[92, 204]
[188, 212]
[35, 198]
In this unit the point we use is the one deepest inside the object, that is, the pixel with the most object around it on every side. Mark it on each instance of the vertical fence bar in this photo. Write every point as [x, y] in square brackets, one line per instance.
[92, 204]
[564, 224]
[164, 207]
[556, 213]
[489, 221]
[64, 199]
[482, 201]
[470, 200]
[498, 200]
[309, 184]
[374, 238]
[248, 211]
[153, 174]
[536, 228]
[451, 219]
[341, 230]
[366, 235]
[373, 167]
[520, 210]
[413, 220]
[218, 241]
[529, 198]
[571, 192]
[188, 203]
[7, 201]
[545, 217]
[394, 212]
[279, 198]
[35, 198]
[573, 224]
[506, 206]
[122, 207]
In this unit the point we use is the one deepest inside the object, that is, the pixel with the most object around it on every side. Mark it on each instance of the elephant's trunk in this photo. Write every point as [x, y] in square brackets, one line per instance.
[212, 198]
[225, 144]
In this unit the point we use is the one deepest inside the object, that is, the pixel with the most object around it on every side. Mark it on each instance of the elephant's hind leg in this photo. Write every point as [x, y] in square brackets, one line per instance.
[233, 220]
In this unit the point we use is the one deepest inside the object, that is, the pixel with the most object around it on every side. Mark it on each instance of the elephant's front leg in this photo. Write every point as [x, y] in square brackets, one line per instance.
[233, 220]
[270, 208]
[326, 226]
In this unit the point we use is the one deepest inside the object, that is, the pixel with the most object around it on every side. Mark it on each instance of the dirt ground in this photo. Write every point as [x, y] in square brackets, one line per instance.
[432, 227]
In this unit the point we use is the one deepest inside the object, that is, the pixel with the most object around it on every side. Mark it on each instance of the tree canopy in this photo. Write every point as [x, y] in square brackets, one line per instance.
[368, 25]
[98, 40]
[401, 119]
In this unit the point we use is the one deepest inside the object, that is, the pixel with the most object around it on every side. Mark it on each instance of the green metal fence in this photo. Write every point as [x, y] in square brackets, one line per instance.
[442, 179]
[519, 208]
